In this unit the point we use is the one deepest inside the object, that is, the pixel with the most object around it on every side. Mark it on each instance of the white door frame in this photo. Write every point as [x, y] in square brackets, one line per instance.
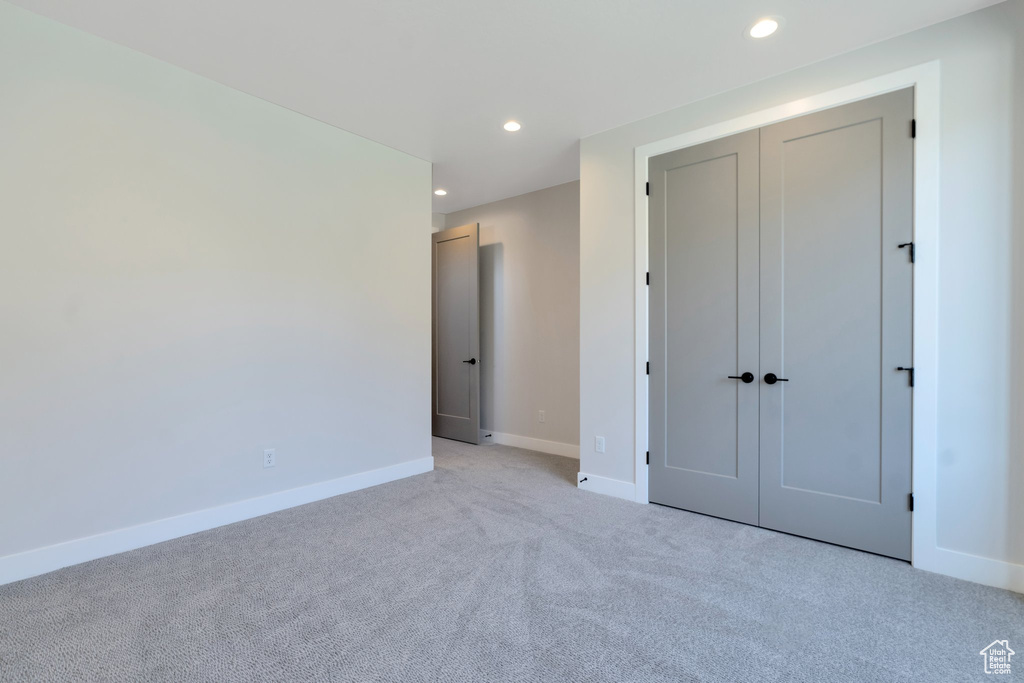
[925, 80]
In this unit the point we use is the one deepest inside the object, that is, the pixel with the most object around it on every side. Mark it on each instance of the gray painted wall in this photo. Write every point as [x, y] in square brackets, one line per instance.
[529, 312]
[981, 264]
[185, 279]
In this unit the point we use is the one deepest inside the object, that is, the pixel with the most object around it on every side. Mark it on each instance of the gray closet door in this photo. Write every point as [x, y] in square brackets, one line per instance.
[703, 322]
[456, 334]
[836, 201]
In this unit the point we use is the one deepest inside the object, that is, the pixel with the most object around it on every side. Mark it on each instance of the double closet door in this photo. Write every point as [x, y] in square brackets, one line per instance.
[780, 326]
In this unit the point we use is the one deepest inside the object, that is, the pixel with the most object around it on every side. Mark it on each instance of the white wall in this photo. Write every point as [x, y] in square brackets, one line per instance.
[529, 315]
[189, 275]
[981, 299]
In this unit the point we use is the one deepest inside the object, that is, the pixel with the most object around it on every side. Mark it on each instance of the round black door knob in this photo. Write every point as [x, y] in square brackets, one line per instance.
[772, 378]
[746, 377]
[471, 361]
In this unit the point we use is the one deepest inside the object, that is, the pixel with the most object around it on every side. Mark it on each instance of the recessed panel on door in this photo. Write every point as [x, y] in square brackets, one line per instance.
[703, 298]
[836, 191]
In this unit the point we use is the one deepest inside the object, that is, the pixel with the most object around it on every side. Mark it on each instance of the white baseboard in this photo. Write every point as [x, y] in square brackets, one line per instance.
[49, 558]
[567, 450]
[609, 487]
[974, 568]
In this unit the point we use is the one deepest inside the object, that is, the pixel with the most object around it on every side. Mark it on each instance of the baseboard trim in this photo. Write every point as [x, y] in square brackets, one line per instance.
[567, 450]
[984, 570]
[609, 487]
[49, 558]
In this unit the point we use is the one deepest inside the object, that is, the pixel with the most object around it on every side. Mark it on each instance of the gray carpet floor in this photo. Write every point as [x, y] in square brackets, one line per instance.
[494, 567]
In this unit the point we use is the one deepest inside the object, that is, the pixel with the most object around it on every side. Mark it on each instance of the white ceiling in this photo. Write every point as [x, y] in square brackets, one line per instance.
[438, 78]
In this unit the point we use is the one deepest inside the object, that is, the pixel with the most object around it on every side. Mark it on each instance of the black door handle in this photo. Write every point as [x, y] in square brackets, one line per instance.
[772, 378]
[747, 377]
[471, 361]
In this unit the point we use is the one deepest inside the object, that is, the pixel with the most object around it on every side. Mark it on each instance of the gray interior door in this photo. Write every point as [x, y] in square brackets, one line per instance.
[836, 322]
[456, 334]
[704, 328]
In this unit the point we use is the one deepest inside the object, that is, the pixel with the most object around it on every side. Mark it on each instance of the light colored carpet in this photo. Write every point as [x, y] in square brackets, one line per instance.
[494, 567]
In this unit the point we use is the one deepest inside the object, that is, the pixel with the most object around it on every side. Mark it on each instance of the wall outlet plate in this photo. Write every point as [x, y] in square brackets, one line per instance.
[599, 444]
[269, 458]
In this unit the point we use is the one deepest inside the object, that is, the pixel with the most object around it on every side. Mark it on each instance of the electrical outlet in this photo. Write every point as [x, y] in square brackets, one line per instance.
[269, 459]
[540, 416]
[599, 444]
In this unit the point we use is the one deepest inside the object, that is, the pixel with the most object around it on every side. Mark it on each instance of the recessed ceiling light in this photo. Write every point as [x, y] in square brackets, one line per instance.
[440, 193]
[764, 28]
[512, 126]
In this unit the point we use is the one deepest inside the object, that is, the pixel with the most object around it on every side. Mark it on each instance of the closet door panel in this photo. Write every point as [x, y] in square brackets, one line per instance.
[836, 201]
[703, 311]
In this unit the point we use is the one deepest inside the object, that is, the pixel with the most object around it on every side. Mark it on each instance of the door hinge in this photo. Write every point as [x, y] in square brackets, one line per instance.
[648, 277]
[913, 250]
[648, 367]
[913, 128]
[648, 457]
[648, 189]
[910, 502]
[910, 374]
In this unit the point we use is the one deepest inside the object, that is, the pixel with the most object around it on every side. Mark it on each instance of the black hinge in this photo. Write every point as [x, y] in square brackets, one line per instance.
[648, 189]
[910, 502]
[648, 367]
[910, 374]
[913, 128]
[913, 250]
[648, 277]
[648, 457]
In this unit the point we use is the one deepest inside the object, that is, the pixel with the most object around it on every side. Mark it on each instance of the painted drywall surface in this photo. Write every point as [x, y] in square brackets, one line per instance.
[981, 408]
[1011, 487]
[529, 312]
[189, 275]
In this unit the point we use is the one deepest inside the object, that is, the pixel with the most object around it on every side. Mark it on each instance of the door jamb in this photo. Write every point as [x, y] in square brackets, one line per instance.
[925, 79]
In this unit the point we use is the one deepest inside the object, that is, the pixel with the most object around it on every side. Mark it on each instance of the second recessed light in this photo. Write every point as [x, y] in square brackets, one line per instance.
[512, 126]
[440, 193]
[764, 28]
